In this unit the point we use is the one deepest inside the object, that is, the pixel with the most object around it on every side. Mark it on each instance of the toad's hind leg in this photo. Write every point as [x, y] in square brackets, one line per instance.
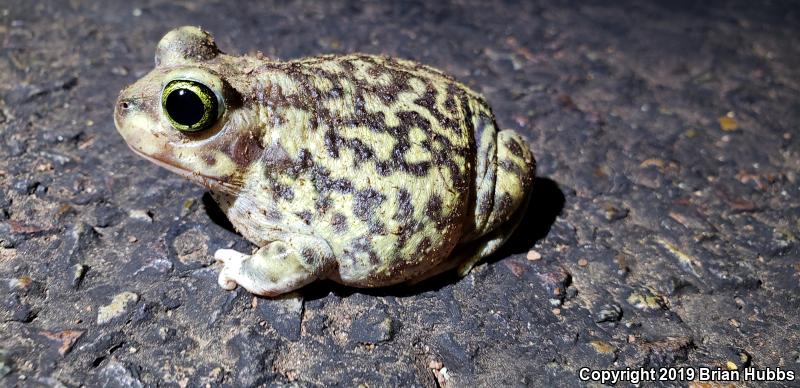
[502, 191]
[467, 255]
[276, 268]
[472, 253]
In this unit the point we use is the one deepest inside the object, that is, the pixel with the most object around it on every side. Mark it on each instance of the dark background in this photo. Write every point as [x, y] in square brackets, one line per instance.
[666, 136]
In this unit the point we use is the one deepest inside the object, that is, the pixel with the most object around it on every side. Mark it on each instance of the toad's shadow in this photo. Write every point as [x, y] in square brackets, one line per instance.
[215, 213]
[547, 201]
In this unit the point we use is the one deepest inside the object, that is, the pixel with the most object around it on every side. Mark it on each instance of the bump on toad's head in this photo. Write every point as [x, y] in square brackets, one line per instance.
[185, 45]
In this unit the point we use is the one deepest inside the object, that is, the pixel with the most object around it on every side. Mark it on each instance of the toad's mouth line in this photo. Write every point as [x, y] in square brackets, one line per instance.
[211, 183]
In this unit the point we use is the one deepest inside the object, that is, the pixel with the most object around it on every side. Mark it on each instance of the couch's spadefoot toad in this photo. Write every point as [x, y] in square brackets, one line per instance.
[363, 169]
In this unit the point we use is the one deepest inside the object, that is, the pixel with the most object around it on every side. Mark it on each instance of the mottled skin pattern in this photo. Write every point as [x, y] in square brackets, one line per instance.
[363, 169]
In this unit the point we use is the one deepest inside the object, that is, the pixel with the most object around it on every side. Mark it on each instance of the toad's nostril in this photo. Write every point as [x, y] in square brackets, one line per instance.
[124, 105]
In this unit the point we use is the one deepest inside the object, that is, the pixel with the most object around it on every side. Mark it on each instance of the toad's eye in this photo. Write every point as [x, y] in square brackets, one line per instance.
[189, 105]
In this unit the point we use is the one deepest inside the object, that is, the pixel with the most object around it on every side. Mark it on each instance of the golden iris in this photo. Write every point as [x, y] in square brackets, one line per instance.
[189, 105]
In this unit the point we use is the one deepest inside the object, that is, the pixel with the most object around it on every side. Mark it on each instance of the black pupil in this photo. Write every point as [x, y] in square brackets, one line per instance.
[185, 107]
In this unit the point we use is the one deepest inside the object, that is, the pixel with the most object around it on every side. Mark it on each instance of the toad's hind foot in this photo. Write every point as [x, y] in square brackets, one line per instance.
[274, 269]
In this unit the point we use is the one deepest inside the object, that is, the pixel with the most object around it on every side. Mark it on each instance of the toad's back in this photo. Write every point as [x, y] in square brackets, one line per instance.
[375, 155]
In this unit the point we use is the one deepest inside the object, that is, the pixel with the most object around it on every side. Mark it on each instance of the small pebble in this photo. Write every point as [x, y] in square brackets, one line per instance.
[602, 347]
[119, 70]
[67, 338]
[609, 313]
[78, 273]
[728, 123]
[119, 306]
[188, 206]
[583, 262]
[141, 215]
[533, 255]
[44, 167]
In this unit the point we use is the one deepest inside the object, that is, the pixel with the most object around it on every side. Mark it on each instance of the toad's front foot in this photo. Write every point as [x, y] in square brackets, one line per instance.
[274, 269]
[232, 266]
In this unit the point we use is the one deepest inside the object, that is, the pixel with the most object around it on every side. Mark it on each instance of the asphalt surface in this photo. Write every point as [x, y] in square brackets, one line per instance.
[663, 229]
